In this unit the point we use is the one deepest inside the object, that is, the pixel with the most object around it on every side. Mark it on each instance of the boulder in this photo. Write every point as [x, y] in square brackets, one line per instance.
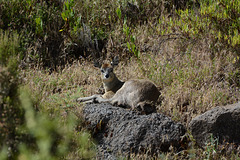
[123, 131]
[223, 123]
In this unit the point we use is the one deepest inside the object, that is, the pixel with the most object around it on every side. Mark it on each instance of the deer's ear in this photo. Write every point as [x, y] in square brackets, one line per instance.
[115, 61]
[97, 64]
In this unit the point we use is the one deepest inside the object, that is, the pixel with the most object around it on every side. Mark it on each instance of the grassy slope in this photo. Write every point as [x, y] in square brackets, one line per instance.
[191, 84]
[194, 78]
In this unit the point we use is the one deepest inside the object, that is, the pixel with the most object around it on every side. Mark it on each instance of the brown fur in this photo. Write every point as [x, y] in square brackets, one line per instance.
[106, 65]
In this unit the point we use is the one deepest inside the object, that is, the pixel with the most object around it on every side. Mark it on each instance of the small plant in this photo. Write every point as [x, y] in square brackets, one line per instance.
[39, 25]
[69, 16]
[211, 148]
[9, 48]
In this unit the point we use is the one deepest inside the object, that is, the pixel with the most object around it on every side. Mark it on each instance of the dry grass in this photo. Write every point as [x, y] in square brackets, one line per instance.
[196, 71]
[191, 83]
[192, 76]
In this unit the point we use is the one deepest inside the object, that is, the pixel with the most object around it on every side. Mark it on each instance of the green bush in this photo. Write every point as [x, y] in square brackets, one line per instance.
[38, 24]
[25, 132]
[51, 138]
[56, 32]
[11, 115]
[217, 20]
[224, 20]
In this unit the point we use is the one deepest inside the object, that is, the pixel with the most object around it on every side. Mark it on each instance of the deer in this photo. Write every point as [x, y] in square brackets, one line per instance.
[136, 94]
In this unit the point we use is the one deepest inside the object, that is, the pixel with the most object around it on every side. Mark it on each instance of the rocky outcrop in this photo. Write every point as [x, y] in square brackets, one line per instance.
[119, 130]
[223, 123]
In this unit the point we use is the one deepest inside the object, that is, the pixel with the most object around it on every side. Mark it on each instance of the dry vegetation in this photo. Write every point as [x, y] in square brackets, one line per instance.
[190, 83]
[195, 67]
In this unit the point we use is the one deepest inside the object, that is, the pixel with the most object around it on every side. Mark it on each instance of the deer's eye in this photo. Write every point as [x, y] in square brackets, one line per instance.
[102, 70]
[110, 70]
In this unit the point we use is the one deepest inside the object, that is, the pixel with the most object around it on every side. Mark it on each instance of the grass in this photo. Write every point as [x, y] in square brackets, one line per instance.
[185, 53]
[191, 83]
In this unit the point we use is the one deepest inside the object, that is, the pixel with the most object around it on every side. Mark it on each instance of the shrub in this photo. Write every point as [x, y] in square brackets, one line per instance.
[217, 20]
[51, 138]
[11, 116]
[56, 32]
[26, 133]
[38, 24]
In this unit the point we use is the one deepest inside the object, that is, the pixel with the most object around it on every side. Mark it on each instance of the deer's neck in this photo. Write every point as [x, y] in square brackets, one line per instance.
[113, 86]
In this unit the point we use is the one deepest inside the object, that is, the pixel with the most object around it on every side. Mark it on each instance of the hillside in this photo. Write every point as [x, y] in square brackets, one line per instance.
[189, 49]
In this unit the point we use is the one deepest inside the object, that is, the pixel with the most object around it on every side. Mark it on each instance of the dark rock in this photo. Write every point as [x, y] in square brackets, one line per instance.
[223, 123]
[119, 130]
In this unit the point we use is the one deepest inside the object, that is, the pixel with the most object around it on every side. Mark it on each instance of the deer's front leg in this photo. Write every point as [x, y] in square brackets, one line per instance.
[88, 99]
[94, 99]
